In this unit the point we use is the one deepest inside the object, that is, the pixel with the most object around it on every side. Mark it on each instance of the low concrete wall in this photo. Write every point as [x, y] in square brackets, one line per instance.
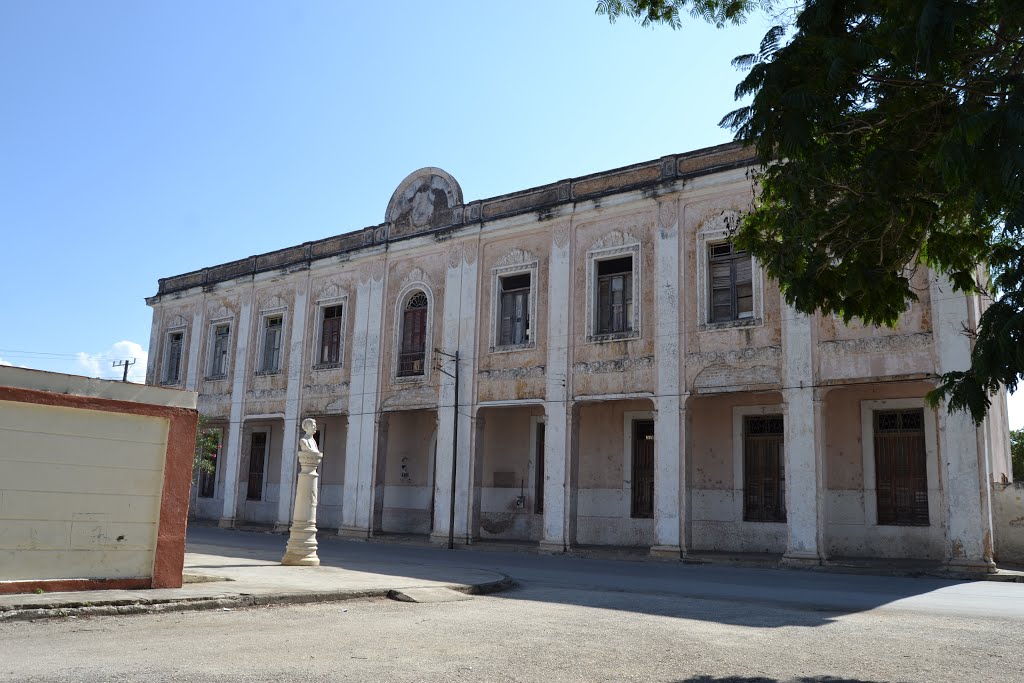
[94, 482]
[1008, 522]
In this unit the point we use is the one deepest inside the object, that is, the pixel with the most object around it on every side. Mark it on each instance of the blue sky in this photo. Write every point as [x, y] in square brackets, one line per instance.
[142, 140]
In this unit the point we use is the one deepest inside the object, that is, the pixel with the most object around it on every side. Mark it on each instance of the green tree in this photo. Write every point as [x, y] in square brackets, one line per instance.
[207, 443]
[1017, 453]
[901, 127]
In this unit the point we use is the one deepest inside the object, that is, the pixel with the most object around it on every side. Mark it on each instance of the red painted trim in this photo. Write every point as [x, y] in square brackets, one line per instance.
[169, 558]
[63, 585]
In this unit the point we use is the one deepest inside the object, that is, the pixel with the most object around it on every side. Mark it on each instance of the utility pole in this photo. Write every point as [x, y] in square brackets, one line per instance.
[127, 364]
[455, 444]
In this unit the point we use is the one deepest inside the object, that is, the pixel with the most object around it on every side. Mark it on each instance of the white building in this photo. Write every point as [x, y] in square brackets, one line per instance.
[625, 376]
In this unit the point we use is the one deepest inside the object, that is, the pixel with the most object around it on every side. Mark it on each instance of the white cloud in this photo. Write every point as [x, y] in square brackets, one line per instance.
[3, 362]
[101, 364]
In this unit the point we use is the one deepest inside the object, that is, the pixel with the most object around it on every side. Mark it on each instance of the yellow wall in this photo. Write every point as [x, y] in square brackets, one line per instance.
[79, 492]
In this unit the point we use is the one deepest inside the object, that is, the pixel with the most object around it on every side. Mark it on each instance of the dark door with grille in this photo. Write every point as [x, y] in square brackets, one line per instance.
[643, 469]
[900, 473]
[764, 469]
[538, 492]
[257, 453]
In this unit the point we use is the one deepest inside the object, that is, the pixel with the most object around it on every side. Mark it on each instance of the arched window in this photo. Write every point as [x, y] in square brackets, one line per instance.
[414, 336]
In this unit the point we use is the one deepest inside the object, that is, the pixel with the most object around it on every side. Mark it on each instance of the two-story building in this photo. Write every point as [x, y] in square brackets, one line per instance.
[586, 362]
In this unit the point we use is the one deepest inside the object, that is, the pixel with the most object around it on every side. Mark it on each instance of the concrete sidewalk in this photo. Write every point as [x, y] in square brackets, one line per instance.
[228, 578]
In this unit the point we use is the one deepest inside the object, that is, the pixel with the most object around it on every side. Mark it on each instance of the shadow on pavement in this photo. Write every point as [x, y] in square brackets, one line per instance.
[763, 679]
[757, 598]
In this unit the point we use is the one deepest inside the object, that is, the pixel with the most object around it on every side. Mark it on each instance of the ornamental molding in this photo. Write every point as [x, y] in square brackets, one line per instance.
[455, 256]
[667, 216]
[614, 238]
[515, 257]
[561, 236]
[731, 378]
[756, 354]
[895, 343]
[507, 374]
[415, 276]
[614, 365]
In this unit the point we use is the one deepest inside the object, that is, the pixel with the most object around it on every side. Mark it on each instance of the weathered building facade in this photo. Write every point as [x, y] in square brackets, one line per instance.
[623, 376]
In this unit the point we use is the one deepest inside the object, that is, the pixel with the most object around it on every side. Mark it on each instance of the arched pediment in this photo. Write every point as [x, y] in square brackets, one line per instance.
[428, 198]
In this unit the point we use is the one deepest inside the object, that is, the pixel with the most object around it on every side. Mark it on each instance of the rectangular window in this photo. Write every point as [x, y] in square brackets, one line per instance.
[257, 461]
[172, 368]
[731, 282]
[642, 504]
[330, 337]
[514, 319]
[615, 295]
[900, 470]
[208, 480]
[219, 351]
[273, 327]
[764, 469]
[538, 488]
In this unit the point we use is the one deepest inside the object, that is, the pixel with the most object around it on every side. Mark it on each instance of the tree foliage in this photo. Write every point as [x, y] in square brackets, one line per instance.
[891, 134]
[1017, 453]
[207, 444]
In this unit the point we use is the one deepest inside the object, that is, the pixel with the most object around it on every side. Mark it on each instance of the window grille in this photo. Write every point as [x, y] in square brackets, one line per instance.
[901, 477]
[257, 456]
[330, 336]
[172, 370]
[219, 353]
[642, 499]
[272, 333]
[764, 469]
[514, 319]
[731, 283]
[414, 336]
[615, 295]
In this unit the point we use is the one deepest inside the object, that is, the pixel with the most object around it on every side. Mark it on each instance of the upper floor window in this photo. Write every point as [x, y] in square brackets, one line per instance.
[329, 353]
[172, 358]
[273, 329]
[731, 283]
[614, 296]
[219, 350]
[514, 314]
[414, 336]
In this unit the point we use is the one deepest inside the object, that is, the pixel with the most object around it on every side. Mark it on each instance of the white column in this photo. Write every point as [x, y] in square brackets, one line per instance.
[557, 434]
[232, 456]
[962, 464]
[667, 442]
[457, 335]
[293, 399]
[196, 338]
[361, 436]
[803, 462]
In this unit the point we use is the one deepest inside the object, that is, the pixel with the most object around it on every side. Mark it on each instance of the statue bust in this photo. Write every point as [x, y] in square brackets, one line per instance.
[307, 443]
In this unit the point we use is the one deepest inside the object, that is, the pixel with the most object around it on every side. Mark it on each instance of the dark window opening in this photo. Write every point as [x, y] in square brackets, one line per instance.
[731, 283]
[642, 499]
[257, 455]
[208, 480]
[900, 467]
[172, 371]
[414, 337]
[514, 320]
[272, 333]
[330, 336]
[219, 354]
[615, 295]
[764, 469]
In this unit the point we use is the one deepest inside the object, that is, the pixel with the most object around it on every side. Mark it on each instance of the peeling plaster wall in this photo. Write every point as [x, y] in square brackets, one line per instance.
[261, 511]
[716, 493]
[507, 449]
[848, 532]
[334, 431]
[407, 500]
[603, 513]
[1008, 521]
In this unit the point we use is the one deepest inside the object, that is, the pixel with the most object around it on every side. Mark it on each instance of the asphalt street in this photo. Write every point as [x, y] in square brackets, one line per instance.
[569, 619]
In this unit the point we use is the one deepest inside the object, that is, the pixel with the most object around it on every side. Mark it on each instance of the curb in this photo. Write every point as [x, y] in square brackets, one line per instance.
[240, 601]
